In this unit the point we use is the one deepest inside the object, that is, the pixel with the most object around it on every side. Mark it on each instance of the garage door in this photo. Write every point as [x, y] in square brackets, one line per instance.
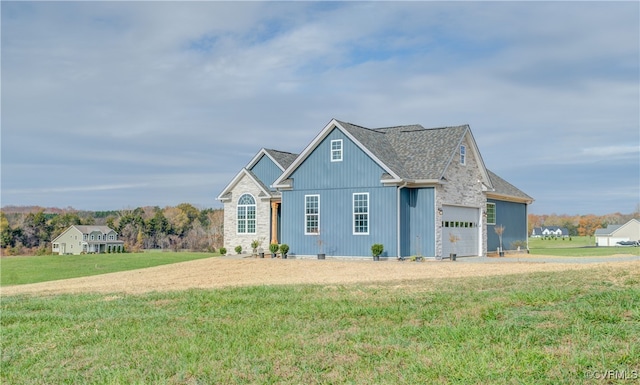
[462, 223]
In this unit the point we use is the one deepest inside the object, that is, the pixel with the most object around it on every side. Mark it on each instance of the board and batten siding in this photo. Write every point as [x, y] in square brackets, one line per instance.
[336, 222]
[335, 183]
[510, 215]
[356, 169]
[417, 223]
[266, 171]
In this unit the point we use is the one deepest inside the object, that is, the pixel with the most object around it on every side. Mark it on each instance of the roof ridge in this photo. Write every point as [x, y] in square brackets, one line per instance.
[396, 127]
[280, 151]
[359, 126]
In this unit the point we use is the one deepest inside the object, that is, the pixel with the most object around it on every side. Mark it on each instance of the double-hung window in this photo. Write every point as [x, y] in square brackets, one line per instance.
[361, 213]
[312, 214]
[336, 150]
[491, 213]
[246, 214]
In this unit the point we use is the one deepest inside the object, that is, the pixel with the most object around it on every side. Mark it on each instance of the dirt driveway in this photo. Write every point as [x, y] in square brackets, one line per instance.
[223, 272]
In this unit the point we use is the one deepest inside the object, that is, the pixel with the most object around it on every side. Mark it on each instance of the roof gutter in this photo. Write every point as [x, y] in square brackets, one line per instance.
[411, 182]
[509, 198]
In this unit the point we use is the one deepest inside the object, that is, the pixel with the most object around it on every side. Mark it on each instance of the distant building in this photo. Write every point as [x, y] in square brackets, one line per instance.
[79, 239]
[613, 234]
[550, 231]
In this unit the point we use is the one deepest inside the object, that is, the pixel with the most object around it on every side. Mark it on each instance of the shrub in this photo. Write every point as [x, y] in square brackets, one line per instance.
[223, 251]
[274, 248]
[377, 249]
[519, 243]
[284, 248]
[238, 249]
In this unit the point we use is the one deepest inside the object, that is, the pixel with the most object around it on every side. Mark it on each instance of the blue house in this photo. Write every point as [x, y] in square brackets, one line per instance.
[417, 191]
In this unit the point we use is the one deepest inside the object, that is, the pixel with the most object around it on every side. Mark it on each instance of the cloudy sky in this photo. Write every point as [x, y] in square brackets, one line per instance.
[112, 105]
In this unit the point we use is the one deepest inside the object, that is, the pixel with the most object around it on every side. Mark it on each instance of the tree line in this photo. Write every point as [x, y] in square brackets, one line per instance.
[581, 225]
[30, 230]
[25, 232]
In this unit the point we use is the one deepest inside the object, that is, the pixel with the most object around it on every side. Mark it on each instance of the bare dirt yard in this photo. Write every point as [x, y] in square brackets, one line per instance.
[226, 272]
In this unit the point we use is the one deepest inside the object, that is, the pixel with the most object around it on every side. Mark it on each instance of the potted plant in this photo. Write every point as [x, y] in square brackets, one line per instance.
[376, 251]
[453, 238]
[274, 249]
[500, 230]
[223, 251]
[254, 246]
[284, 249]
[321, 254]
[238, 249]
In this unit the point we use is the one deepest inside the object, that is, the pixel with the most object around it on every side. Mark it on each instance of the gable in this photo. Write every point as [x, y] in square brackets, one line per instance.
[320, 170]
[245, 176]
[266, 171]
[630, 229]
[70, 231]
[464, 166]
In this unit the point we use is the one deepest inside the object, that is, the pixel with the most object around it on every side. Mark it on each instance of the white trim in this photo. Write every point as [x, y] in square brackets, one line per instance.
[333, 124]
[236, 180]
[305, 214]
[258, 156]
[255, 206]
[353, 213]
[508, 198]
[476, 155]
[338, 151]
[495, 217]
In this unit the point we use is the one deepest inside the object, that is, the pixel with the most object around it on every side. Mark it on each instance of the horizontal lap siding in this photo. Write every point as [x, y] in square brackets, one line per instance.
[336, 182]
[511, 215]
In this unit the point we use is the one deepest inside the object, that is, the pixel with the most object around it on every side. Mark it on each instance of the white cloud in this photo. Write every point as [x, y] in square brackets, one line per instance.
[613, 151]
[164, 88]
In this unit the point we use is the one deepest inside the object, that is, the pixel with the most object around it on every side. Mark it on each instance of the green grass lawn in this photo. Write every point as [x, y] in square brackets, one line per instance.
[559, 243]
[576, 247]
[542, 328]
[21, 270]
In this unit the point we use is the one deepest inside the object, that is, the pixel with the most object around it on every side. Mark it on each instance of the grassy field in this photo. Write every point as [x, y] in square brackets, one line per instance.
[576, 247]
[544, 328]
[21, 270]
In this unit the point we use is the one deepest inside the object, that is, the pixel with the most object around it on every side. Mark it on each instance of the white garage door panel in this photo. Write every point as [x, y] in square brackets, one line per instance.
[463, 223]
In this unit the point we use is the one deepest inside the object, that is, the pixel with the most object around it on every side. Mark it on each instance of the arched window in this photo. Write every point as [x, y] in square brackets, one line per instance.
[246, 214]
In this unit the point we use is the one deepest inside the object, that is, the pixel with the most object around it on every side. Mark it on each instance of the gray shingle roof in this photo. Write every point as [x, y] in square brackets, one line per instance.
[608, 231]
[411, 151]
[503, 187]
[88, 229]
[282, 157]
[414, 152]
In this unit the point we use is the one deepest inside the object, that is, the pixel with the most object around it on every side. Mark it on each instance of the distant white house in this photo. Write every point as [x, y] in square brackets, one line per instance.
[613, 234]
[550, 231]
[87, 239]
